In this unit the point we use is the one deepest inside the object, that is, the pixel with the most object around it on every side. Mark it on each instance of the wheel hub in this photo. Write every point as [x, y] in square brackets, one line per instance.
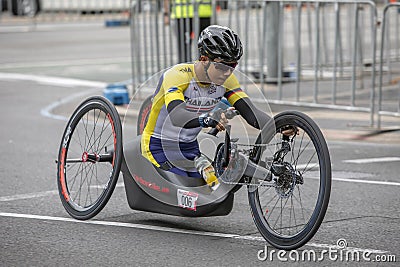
[93, 158]
[286, 182]
[85, 156]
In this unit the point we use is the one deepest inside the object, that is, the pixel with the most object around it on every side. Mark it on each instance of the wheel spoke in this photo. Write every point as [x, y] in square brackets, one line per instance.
[292, 200]
[103, 127]
[87, 184]
[96, 140]
[78, 173]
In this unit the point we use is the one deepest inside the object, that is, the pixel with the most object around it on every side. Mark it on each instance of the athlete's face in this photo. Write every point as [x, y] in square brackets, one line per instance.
[220, 71]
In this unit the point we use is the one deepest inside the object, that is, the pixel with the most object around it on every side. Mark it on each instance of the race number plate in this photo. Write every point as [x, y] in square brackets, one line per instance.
[187, 200]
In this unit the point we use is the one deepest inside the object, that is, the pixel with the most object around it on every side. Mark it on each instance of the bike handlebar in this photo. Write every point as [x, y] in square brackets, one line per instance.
[213, 131]
[229, 114]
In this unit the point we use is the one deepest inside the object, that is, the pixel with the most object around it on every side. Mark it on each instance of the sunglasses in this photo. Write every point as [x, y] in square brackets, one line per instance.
[224, 66]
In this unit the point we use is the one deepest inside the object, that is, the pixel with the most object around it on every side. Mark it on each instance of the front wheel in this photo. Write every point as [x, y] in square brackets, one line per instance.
[90, 157]
[289, 211]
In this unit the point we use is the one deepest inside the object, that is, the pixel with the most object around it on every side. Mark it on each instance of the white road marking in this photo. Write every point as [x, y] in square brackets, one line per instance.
[372, 160]
[39, 194]
[55, 192]
[47, 111]
[57, 81]
[66, 82]
[73, 62]
[366, 181]
[350, 180]
[175, 230]
[28, 196]
[345, 143]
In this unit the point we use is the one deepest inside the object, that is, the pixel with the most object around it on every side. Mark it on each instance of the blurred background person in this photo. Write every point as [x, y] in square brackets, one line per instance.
[183, 14]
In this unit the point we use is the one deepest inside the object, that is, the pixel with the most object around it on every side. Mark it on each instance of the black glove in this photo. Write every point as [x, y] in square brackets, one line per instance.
[206, 120]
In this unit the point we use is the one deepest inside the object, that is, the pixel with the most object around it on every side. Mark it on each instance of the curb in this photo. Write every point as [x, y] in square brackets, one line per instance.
[384, 136]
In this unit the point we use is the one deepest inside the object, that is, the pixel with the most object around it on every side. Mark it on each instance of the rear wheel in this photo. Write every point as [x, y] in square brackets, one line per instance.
[289, 211]
[89, 158]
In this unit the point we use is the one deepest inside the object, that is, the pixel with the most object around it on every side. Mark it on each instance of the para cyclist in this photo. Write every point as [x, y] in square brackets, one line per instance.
[185, 95]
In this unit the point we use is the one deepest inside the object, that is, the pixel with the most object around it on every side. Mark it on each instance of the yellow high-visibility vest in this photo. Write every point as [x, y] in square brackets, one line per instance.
[184, 9]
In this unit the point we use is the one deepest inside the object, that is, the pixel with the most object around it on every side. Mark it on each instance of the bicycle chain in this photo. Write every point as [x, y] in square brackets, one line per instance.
[238, 183]
[250, 184]
[253, 145]
[259, 145]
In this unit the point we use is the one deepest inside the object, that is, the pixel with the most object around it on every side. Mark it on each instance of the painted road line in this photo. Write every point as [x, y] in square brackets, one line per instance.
[28, 196]
[366, 181]
[176, 230]
[372, 160]
[55, 192]
[56, 81]
[63, 63]
[40, 194]
[48, 110]
[359, 181]
[48, 27]
[364, 143]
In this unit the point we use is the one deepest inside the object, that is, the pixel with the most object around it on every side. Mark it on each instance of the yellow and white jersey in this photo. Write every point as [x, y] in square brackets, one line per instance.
[180, 83]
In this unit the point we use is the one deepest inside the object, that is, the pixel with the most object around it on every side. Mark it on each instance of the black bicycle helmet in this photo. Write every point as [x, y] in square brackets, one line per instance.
[220, 42]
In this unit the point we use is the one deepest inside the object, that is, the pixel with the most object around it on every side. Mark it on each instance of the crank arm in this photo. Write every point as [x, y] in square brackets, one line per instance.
[257, 172]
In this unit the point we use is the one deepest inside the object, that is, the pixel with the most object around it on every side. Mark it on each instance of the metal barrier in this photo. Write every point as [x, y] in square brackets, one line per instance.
[391, 94]
[33, 12]
[315, 52]
[155, 42]
[325, 50]
[305, 53]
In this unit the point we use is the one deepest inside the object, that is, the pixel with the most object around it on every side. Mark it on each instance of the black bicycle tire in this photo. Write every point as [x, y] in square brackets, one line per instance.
[143, 115]
[318, 215]
[97, 102]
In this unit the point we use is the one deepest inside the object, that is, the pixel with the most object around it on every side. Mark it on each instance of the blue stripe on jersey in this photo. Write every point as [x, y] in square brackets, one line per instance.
[163, 151]
[159, 85]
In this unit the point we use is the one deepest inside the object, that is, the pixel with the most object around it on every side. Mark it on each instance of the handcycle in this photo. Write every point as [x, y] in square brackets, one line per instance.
[288, 178]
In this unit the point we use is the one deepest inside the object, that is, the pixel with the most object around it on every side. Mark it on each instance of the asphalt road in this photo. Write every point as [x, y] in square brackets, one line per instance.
[36, 231]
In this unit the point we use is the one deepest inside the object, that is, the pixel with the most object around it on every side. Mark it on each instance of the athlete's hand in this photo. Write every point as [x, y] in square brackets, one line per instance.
[206, 120]
[290, 131]
[222, 122]
[217, 119]
[227, 114]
